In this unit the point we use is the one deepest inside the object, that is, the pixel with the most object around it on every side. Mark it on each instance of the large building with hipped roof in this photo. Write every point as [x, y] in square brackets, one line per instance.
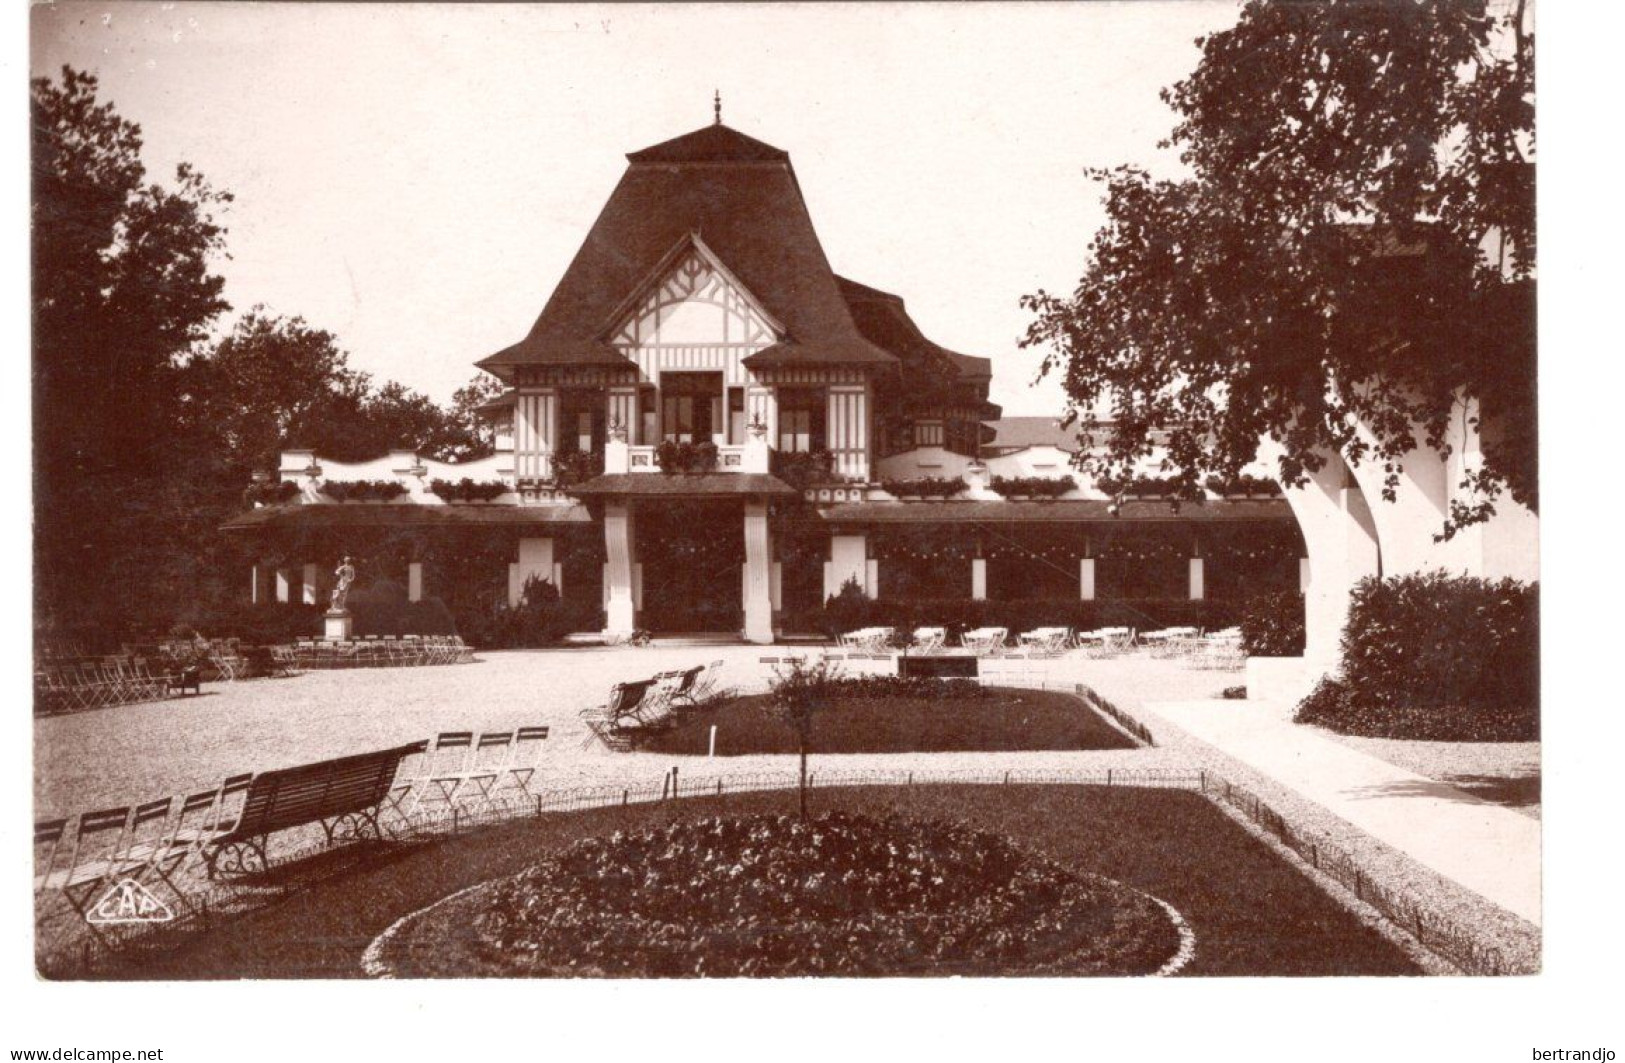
[707, 429]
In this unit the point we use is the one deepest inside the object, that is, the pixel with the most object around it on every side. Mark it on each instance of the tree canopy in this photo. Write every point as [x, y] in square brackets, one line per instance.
[1329, 256]
[146, 428]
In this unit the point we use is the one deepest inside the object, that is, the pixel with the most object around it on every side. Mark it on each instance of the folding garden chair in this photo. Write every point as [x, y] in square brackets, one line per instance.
[491, 756]
[49, 836]
[97, 842]
[205, 814]
[525, 760]
[928, 639]
[409, 775]
[447, 757]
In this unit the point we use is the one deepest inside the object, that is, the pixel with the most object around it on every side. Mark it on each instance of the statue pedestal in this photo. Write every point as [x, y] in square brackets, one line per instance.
[338, 624]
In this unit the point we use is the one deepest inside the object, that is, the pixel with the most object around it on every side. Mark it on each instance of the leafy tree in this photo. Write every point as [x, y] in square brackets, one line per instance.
[800, 693]
[1327, 258]
[122, 289]
[277, 383]
[464, 402]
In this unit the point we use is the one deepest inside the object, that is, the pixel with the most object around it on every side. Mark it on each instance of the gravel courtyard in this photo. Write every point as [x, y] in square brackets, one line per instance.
[138, 752]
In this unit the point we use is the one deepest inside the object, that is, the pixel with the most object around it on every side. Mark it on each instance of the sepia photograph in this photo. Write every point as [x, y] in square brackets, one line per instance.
[784, 492]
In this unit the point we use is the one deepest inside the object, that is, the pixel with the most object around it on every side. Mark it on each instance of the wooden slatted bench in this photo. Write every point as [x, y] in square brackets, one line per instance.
[343, 795]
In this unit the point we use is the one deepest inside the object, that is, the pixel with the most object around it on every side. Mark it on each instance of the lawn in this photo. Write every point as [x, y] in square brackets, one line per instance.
[1003, 721]
[1253, 913]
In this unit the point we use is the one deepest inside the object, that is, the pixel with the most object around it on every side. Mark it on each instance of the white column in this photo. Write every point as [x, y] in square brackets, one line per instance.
[307, 585]
[848, 559]
[1342, 543]
[257, 593]
[1406, 526]
[1196, 574]
[284, 584]
[516, 586]
[414, 581]
[758, 589]
[978, 579]
[1303, 575]
[1086, 579]
[620, 608]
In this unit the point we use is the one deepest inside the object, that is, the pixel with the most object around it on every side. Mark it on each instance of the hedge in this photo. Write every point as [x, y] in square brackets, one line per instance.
[1272, 625]
[269, 623]
[1436, 657]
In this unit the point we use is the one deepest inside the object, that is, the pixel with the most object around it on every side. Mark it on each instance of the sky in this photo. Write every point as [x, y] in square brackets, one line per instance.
[416, 178]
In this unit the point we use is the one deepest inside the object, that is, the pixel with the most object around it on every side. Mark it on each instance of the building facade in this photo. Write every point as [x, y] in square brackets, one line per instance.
[708, 429]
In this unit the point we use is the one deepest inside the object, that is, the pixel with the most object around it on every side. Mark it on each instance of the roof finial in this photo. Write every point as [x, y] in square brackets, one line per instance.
[716, 106]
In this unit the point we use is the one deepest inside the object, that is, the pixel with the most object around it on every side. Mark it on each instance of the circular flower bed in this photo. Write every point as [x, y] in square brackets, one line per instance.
[844, 894]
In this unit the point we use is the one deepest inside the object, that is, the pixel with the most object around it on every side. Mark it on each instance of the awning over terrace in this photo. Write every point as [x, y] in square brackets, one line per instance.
[402, 515]
[660, 485]
[1062, 510]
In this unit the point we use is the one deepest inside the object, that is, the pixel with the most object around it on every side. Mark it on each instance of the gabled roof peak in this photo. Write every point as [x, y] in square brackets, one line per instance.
[710, 144]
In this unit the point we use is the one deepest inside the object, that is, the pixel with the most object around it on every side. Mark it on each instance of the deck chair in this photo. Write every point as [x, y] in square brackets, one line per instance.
[624, 699]
[683, 689]
[705, 688]
[928, 639]
[984, 641]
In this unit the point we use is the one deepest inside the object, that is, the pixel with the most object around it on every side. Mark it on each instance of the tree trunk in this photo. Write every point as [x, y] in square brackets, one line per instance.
[803, 789]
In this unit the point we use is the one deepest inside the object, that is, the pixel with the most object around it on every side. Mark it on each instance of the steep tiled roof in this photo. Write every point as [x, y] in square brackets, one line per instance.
[884, 320]
[714, 143]
[741, 197]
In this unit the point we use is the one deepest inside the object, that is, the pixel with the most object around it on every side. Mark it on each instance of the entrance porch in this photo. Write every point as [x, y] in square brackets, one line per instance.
[687, 553]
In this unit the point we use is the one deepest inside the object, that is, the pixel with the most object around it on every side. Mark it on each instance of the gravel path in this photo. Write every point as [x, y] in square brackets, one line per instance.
[1138, 685]
[137, 752]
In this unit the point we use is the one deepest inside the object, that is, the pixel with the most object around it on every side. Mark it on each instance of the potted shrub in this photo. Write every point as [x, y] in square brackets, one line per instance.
[271, 493]
[690, 458]
[936, 488]
[576, 466]
[802, 469]
[1046, 488]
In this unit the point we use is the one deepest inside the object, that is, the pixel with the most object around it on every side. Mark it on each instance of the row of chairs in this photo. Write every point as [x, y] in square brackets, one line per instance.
[216, 659]
[1220, 649]
[462, 770]
[147, 843]
[384, 652]
[158, 842]
[652, 702]
[64, 687]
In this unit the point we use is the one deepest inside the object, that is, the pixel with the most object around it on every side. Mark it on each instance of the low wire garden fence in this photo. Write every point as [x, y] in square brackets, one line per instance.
[210, 901]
